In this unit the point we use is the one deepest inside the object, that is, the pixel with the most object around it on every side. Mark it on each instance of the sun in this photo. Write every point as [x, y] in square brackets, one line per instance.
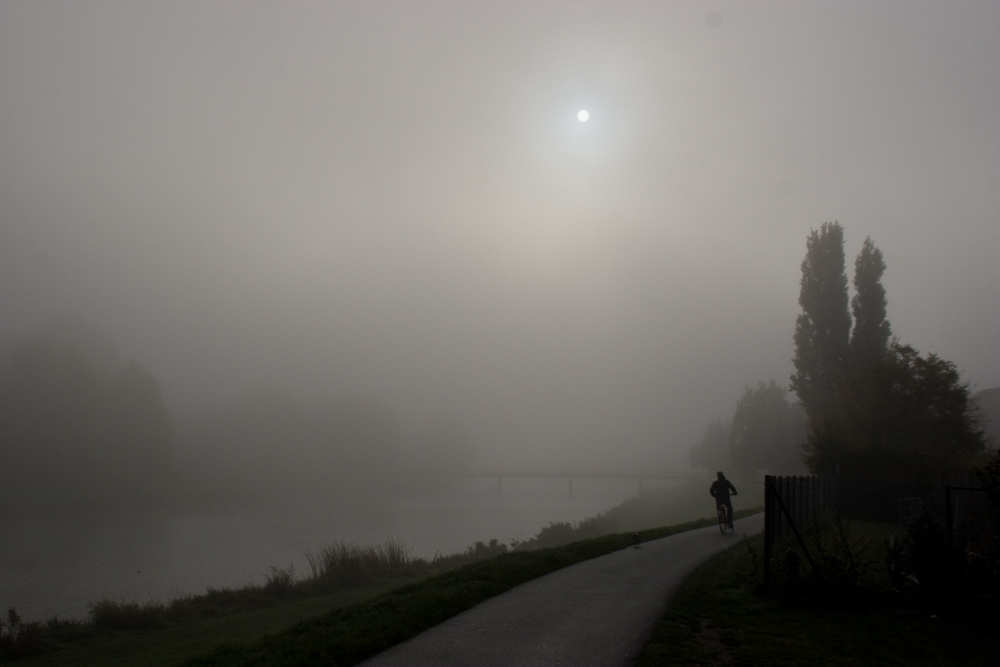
[583, 115]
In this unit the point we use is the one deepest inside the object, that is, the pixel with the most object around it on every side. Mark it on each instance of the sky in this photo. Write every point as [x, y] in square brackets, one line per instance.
[397, 199]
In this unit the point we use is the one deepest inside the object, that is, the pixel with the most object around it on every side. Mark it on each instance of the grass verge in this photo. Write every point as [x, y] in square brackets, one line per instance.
[341, 573]
[717, 618]
[174, 644]
[350, 634]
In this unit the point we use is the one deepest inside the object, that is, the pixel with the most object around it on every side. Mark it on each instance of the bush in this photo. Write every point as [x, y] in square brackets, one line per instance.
[923, 566]
[838, 567]
[21, 640]
[482, 550]
[918, 560]
[558, 533]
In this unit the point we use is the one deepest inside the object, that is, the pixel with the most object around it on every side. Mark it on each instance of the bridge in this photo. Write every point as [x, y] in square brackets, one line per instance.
[638, 475]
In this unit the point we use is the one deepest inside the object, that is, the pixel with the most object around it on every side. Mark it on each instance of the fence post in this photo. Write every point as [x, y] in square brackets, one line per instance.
[949, 527]
[795, 531]
[950, 531]
[768, 528]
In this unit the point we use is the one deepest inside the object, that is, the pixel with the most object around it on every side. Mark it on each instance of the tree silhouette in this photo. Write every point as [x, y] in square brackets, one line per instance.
[822, 330]
[906, 415]
[73, 435]
[766, 430]
[870, 337]
[872, 407]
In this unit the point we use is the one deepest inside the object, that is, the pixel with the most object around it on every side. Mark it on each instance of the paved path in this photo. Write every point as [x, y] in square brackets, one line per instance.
[600, 612]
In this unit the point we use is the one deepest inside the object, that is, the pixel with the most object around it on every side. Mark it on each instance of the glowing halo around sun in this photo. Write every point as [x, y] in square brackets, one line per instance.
[583, 115]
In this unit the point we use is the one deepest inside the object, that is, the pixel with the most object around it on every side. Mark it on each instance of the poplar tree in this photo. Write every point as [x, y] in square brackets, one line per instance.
[822, 330]
[873, 407]
[870, 338]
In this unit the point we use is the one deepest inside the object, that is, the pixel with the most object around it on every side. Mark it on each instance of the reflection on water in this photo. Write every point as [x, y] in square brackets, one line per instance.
[50, 568]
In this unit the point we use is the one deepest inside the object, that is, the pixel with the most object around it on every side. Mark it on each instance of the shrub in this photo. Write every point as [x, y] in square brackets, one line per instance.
[482, 551]
[918, 560]
[19, 639]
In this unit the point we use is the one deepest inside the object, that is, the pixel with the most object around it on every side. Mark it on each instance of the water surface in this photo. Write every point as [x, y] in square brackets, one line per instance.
[58, 567]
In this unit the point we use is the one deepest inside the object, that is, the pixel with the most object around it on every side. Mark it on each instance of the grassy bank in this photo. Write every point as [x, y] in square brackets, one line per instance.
[119, 632]
[173, 644]
[350, 634]
[718, 617]
[340, 573]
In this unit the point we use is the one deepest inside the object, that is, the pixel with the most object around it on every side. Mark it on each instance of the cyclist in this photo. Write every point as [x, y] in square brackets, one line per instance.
[721, 488]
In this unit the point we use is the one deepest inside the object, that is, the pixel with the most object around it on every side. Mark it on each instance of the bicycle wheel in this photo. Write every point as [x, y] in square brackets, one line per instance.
[723, 523]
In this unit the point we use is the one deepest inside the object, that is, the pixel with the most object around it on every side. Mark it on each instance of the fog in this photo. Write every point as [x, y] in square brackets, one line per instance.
[396, 201]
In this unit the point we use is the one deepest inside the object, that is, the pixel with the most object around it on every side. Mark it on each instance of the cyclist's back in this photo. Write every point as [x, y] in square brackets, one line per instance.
[720, 490]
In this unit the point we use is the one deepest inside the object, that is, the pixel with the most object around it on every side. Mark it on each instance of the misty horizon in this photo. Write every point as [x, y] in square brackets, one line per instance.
[398, 201]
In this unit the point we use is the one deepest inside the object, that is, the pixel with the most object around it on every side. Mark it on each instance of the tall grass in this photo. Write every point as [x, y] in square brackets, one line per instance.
[350, 564]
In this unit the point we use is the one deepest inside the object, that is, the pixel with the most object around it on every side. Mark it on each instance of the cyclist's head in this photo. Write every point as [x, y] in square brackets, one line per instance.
[721, 476]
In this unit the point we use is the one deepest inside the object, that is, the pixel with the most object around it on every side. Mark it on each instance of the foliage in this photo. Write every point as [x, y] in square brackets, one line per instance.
[77, 434]
[870, 337]
[925, 567]
[767, 430]
[872, 407]
[902, 415]
[558, 533]
[989, 476]
[20, 639]
[823, 328]
[919, 560]
[988, 404]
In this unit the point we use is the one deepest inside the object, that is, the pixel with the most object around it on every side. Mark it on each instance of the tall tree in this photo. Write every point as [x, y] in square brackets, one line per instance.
[822, 331]
[873, 407]
[911, 417]
[766, 431]
[870, 338]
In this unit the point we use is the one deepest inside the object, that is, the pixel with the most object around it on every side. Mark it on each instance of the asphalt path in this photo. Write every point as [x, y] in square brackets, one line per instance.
[600, 612]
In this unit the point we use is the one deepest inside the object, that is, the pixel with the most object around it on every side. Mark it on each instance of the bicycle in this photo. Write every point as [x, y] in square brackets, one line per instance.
[723, 519]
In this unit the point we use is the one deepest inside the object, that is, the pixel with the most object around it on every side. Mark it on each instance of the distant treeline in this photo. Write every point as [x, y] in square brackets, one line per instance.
[766, 432]
[79, 434]
[79, 430]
